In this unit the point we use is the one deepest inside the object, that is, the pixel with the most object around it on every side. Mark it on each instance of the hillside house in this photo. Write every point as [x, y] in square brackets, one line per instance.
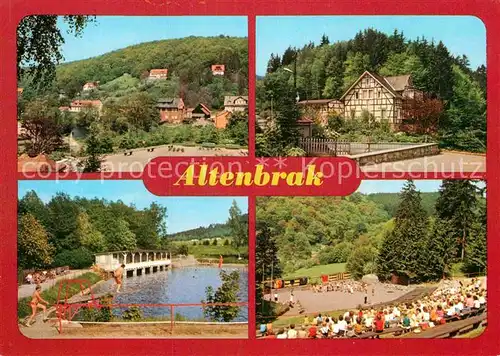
[158, 74]
[319, 110]
[235, 103]
[90, 86]
[172, 110]
[38, 164]
[82, 105]
[222, 119]
[218, 69]
[21, 131]
[201, 111]
[382, 97]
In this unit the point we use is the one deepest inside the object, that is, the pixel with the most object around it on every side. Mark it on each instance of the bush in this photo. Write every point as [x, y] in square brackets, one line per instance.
[226, 243]
[214, 243]
[206, 242]
[183, 249]
[132, 314]
[335, 254]
[78, 259]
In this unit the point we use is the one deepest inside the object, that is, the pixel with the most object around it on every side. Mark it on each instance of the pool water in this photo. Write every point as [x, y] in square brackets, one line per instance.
[178, 285]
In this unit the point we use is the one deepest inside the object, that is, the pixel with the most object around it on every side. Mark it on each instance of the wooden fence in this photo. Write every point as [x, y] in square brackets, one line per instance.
[302, 281]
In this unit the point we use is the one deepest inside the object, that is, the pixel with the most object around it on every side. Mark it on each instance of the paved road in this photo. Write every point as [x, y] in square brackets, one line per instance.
[444, 162]
[26, 290]
[138, 160]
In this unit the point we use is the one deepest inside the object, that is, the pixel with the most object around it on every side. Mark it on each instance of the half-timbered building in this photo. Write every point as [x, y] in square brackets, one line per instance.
[382, 97]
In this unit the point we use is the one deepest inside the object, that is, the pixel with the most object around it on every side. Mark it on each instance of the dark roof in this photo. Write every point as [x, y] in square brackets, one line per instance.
[399, 82]
[168, 103]
[385, 83]
[304, 120]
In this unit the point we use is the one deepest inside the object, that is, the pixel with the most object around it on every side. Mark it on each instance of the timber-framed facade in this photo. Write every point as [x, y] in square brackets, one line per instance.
[381, 97]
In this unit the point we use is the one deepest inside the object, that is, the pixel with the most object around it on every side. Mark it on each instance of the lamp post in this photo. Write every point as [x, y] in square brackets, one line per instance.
[294, 72]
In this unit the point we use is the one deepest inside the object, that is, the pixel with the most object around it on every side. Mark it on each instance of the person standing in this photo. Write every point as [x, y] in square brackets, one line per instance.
[220, 261]
[118, 275]
[36, 302]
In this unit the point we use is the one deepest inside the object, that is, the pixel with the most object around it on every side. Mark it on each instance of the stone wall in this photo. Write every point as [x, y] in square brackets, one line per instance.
[399, 154]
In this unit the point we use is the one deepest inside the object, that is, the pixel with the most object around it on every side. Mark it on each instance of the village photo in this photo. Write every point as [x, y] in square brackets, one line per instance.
[95, 262]
[396, 259]
[101, 93]
[394, 93]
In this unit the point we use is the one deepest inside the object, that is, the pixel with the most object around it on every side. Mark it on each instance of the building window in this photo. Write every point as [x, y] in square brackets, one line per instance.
[383, 113]
[370, 93]
[356, 95]
[378, 93]
[353, 113]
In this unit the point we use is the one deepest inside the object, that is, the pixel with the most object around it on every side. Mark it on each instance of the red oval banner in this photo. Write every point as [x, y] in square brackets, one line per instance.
[235, 176]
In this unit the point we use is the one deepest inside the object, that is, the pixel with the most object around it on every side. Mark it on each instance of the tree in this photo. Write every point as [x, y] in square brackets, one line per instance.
[355, 65]
[324, 40]
[403, 250]
[93, 150]
[338, 253]
[288, 56]
[40, 123]
[476, 250]
[63, 216]
[405, 63]
[464, 126]
[89, 237]
[440, 251]
[421, 115]
[361, 257]
[266, 254]
[238, 226]
[39, 42]
[118, 236]
[274, 63]
[149, 226]
[457, 203]
[226, 293]
[34, 250]
[30, 203]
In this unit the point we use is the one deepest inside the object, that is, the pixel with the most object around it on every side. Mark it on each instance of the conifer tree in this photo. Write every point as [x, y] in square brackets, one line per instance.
[403, 250]
[457, 203]
[475, 251]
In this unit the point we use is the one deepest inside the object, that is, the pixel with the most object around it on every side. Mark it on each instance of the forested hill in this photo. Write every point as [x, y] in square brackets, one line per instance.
[204, 232]
[390, 201]
[188, 61]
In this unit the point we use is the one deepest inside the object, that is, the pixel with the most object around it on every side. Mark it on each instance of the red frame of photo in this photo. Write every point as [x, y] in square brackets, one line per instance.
[12, 342]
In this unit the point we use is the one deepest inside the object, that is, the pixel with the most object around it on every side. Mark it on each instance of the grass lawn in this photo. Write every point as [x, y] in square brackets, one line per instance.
[50, 295]
[209, 251]
[317, 271]
[472, 334]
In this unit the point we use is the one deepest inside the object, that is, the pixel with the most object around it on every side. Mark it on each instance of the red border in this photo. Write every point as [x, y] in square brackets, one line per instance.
[13, 343]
